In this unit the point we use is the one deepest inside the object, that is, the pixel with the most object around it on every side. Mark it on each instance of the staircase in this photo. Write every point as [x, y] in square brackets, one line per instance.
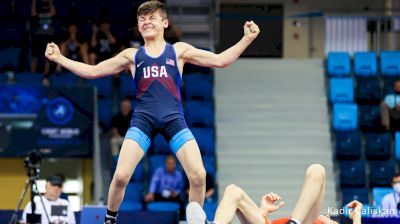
[272, 122]
[195, 20]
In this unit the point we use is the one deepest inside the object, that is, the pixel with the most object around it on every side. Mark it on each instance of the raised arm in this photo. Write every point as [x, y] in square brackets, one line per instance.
[355, 214]
[192, 55]
[114, 65]
[270, 203]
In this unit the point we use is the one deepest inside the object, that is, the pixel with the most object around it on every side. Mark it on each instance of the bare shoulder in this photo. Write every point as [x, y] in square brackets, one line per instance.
[181, 47]
[129, 53]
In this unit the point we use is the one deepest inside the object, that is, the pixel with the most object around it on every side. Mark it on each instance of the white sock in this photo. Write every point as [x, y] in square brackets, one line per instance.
[295, 220]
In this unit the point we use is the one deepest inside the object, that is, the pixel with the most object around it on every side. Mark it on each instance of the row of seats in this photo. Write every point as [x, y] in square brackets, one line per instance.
[348, 117]
[378, 146]
[365, 158]
[197, 90]
[158, 160]
[196, 86]
[353, 173]
[362, 195]
[198, 113]
[363, 91]
[365, 64]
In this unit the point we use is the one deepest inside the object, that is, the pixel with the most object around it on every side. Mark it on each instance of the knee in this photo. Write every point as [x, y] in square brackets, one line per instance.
[316, 172]
[198, 178]
[121, 179]
[233, 192]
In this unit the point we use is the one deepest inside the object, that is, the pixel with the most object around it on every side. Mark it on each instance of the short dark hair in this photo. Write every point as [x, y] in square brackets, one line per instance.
[152, 6]
[395, 176]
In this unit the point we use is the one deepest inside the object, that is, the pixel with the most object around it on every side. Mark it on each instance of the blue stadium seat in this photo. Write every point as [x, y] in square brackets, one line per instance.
[381, 173]
[345, 117]
[156, 161]
[359, 194]
[210, 165]
[9, 59]
[134, 192]
[138, 174]
[163, 206]
[130, 206]
[390, 63]
[29, 78]
[209, 209]
[160, 146]
[370, 118]
[104, 86]
[378, 193]
[104, 109]
[199, 113]
[338, 64]
[341, 90]
[127, 86]
[191, 68]
[198, 86]
[368, 91]
[378, 146]
[352, 174]
[348, 146]
[397, 146]
[205, 137]
[365, 64]
[64, 79]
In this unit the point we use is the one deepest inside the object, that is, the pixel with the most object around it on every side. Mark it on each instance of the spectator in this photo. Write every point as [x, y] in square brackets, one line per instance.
[390, 109]
[74, 47]
[132, 39]
[120, 125]
[50, 198]
[166, 183]
[391, 201]
[103, 43]
[210, 188]
[43, 12]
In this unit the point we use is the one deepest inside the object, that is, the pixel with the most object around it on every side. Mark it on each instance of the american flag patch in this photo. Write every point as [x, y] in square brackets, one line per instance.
[170, 62]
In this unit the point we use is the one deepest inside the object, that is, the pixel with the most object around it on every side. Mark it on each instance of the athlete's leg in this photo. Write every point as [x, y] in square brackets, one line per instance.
[309, 205]
[236, 201]
[130, 155]
[190, 158]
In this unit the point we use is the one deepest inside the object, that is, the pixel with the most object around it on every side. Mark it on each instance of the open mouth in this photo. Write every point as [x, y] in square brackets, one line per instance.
[148, 28]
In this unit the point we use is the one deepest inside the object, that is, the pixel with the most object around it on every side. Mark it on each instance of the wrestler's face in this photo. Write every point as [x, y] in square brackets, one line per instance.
[152, 25]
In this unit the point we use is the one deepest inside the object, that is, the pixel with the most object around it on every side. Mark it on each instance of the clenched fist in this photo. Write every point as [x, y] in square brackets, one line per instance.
[251, 30]
[52, 52]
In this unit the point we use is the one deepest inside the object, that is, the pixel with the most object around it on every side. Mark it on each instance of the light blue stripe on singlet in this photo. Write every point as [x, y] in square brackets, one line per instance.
[140, 137]
[180, 139]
